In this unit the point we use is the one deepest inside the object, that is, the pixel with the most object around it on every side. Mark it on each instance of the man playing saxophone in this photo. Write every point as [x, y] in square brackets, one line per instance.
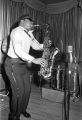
[21, 39]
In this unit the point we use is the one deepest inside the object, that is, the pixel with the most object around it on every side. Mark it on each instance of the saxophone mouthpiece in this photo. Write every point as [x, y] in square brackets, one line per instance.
[36, 25]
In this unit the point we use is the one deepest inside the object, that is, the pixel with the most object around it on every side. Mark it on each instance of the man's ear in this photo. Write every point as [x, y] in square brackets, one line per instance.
[22, 21]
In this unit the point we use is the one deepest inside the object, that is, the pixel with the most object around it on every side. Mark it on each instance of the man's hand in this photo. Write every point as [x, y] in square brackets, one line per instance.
[40, 61]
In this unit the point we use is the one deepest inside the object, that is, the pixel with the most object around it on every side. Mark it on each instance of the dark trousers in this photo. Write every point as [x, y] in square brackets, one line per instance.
[19, 77]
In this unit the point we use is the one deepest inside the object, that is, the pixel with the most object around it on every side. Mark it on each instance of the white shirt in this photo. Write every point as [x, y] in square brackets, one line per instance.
[20, 43]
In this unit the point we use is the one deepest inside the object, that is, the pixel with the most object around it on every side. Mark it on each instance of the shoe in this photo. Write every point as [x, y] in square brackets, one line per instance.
[14, 118]
[27, 115]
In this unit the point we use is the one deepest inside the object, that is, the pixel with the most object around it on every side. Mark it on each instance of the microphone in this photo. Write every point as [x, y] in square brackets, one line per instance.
[70, 51]
[69, 59]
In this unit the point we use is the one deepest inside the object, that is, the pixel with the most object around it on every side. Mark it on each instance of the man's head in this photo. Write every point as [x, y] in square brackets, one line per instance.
[26, 22]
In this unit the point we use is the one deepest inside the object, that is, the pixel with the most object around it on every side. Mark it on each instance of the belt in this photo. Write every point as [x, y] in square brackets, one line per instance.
[16, 60]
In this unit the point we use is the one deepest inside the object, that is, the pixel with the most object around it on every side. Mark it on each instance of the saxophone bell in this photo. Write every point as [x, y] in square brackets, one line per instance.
[46, 72]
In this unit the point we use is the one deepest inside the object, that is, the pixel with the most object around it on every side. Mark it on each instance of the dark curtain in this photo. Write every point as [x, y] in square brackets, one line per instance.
[66, 30]
[18, 9]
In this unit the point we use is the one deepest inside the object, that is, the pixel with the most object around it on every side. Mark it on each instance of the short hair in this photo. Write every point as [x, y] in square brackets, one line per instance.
[25, 17]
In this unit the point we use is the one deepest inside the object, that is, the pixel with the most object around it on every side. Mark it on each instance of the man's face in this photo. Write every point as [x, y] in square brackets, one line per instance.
[28, 24]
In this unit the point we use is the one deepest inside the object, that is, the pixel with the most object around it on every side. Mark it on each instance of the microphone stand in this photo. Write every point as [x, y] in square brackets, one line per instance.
[67, 91]
[68, 96]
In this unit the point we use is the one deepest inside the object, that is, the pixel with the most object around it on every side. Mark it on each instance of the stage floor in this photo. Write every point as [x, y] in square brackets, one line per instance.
[43, 109]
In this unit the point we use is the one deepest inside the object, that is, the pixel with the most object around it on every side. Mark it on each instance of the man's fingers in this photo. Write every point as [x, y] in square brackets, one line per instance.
[44, 63]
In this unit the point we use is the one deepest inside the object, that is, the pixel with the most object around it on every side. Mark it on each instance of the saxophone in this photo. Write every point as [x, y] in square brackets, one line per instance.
[49, 55]
[46, 72]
